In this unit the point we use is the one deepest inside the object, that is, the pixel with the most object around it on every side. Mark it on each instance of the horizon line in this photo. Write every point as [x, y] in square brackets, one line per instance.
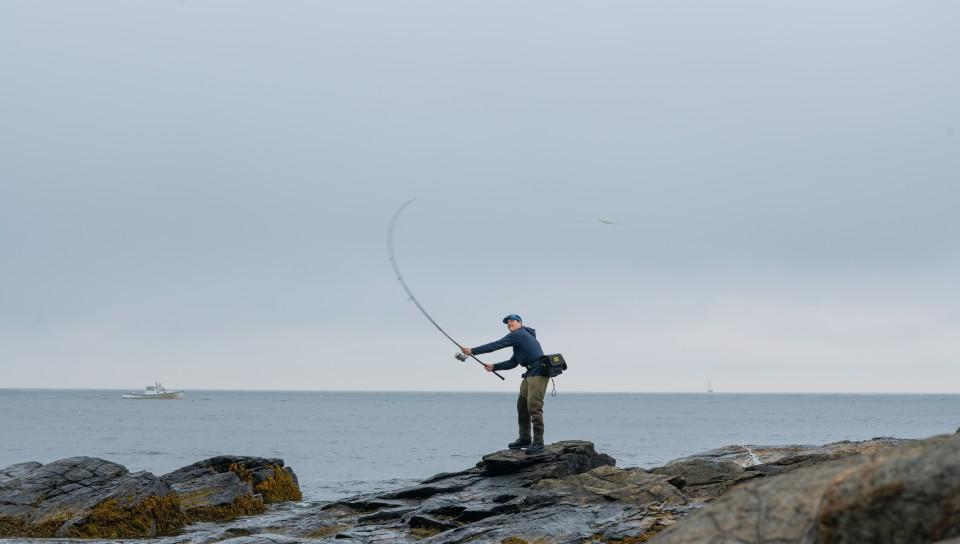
[458, 391]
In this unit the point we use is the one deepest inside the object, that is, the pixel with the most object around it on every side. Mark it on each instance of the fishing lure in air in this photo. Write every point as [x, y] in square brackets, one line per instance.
[393, 261]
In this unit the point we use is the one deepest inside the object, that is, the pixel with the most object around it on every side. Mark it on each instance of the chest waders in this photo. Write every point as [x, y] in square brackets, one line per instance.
[530, 407]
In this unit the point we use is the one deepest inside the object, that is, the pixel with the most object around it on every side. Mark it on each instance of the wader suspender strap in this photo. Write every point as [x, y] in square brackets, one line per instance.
[554, 393]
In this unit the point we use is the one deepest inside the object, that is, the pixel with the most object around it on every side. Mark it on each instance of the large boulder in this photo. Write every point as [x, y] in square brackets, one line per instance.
[909, 493]
[225, 487]
[85, 497]
[214, 496]
[557, 460]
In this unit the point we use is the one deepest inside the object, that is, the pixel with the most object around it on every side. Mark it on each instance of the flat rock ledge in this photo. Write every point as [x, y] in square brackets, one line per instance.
[87, 497]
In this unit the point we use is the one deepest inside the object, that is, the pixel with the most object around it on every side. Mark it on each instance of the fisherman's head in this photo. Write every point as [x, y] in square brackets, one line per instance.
[513, 322]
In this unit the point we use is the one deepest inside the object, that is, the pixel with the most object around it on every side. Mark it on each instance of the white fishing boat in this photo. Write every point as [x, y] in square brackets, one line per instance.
[155, 392]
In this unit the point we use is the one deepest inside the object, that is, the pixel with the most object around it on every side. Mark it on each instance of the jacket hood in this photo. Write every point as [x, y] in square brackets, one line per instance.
[531, 330]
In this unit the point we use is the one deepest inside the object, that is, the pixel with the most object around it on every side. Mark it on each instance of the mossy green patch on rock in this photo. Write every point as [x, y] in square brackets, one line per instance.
[241, 471]
[124, 518]
[18, 527]
[279, 487]
[243, 505]
[10, 526]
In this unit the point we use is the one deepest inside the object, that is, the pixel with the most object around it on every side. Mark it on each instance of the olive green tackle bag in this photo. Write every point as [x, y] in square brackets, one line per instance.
[555, 364]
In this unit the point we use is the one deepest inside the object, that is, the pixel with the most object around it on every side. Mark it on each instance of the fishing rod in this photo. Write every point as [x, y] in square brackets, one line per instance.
[393, 261]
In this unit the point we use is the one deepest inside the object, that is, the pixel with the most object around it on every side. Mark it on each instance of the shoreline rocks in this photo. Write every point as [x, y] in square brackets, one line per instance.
[907, 492]
[572, 494]
[878, 490]
[88, 497]
[709, 474]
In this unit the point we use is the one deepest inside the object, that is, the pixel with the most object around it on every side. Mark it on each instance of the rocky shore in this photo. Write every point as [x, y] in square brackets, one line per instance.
[86, 497]
[879, 490]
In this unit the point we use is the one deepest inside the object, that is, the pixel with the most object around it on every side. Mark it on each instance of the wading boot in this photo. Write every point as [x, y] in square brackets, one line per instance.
[519, 444]
[535, 448]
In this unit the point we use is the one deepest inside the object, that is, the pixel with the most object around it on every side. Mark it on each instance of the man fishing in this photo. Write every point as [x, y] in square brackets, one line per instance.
[528, 354]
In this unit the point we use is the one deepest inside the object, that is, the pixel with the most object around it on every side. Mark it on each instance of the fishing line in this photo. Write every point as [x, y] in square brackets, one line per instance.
[393, 261]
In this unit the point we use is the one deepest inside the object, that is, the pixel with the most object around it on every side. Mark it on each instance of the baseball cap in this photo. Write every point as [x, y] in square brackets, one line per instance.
[514, 317]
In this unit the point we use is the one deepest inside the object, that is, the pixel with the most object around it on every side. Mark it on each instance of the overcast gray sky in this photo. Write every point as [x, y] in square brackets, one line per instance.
[198, 192]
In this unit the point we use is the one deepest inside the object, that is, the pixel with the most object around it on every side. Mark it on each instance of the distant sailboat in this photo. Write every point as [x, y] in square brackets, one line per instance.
[709, 387]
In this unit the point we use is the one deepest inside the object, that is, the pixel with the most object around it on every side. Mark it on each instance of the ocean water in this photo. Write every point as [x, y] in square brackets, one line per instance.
[343, 443]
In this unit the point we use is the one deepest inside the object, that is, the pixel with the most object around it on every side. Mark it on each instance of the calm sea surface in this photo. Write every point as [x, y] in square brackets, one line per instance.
[345, 443]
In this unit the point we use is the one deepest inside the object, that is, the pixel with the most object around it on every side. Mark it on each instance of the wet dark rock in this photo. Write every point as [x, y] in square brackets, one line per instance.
[18, 470]
[792, 455]
[266, 477]
[265, 539]
[571, 494]
[712, 473]
[556, 461]
[366, 504]
[628, 486]
[507, 494]
[86, 497]
[386, 515]
[706, 477]
[213, 496]
[425, 521]
[907, 493]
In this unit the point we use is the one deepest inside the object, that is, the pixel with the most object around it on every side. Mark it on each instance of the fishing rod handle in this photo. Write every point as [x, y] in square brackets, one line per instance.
[484, 364]
[463, 357]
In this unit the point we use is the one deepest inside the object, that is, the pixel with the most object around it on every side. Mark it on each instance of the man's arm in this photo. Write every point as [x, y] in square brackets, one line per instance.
[504, 342]
[507, 365]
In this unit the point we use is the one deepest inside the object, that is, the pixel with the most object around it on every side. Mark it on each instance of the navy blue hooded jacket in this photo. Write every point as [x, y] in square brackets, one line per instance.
[526, 351]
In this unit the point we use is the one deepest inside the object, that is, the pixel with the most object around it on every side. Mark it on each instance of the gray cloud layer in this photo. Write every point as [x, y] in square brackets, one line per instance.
[198, 192]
